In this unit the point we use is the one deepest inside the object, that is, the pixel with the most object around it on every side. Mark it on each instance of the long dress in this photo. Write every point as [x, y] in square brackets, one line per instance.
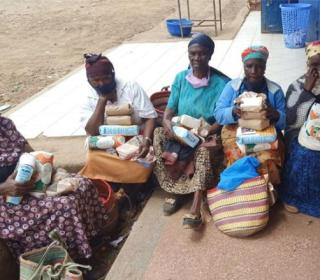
[184, 99]
[301, 178]
[78, 216]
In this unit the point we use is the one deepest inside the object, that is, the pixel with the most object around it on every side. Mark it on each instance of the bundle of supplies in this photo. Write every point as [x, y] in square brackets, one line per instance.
[118, 114]
[186, 129]
[104, 142]
[130, 148]
[125, 130]
[252, 106]
[39, 164]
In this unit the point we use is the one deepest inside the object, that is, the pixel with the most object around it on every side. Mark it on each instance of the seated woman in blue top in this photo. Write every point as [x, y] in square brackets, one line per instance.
[194, 92]
[227, 113]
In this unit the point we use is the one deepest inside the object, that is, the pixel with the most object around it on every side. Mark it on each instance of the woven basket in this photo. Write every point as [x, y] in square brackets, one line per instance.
[160, 100]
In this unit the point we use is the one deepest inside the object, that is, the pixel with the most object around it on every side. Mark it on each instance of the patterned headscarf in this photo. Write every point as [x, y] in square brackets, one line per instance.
[255, 52]
[313, 49]
[97, 65]
[203, 40]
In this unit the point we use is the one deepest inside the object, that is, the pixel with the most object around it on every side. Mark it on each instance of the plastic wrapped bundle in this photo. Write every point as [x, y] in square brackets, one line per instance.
[251, 136]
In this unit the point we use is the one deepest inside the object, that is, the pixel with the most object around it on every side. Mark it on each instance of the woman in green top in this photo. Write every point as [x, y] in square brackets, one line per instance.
[194, 92]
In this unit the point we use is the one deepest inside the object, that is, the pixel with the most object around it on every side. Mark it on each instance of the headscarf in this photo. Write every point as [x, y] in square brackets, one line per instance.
[97, 65]
[255, 52]
[203, 40]
[313, 49]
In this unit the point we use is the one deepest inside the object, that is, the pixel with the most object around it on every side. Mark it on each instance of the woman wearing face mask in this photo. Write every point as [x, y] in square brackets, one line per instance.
[107, 89]
[300, 189]
[194, 92]
[227, 113]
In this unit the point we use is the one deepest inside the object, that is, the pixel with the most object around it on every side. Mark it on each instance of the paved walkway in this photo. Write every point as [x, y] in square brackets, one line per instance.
[55, 111]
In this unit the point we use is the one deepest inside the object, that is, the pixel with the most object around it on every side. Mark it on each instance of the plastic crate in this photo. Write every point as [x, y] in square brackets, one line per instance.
[314, 28]
[295, 23]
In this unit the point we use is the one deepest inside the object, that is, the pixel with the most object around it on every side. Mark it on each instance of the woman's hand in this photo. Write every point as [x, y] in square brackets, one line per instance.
[168, 129]
[236, 112]
[12, 188]
[272, 114]
[311, 77]
[144, 147]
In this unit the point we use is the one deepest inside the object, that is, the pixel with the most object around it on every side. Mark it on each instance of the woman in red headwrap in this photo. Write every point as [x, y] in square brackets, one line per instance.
[107, 89]
[272, 113]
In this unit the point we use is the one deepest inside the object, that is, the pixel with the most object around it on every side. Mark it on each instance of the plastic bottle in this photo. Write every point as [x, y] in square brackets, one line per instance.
[25, 168]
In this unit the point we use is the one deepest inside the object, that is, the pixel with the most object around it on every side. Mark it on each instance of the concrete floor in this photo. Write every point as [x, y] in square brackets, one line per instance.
[158, 248]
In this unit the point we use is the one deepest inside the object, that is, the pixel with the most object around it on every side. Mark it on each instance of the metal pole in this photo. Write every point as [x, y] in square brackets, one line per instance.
[188, 7]
[215, 17]
[179, 8]
[220, 15]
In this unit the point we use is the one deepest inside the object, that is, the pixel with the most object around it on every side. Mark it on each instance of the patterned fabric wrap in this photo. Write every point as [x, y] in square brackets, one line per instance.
[241, 212]
[313, 49]
[11, 143]
[255, 52]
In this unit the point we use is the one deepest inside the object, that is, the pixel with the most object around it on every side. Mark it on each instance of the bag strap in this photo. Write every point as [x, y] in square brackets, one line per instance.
[43, 258]
[59, 268]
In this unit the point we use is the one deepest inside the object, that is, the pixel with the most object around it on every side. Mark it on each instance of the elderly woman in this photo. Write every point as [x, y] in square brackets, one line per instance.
[194, 93]
[300, 189]
[227, 113]
[107, 89]
[78, 216]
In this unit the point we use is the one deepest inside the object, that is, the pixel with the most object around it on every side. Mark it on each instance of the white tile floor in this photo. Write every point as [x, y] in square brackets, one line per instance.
[55, 112]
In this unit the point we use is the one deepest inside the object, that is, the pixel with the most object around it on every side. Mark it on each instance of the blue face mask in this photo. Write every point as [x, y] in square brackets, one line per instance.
[106, 88]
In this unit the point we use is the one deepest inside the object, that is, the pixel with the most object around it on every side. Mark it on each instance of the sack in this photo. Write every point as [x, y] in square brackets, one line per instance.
[241, 212]
[48, 263]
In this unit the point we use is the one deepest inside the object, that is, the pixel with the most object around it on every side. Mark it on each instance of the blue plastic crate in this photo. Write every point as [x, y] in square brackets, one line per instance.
[314, 27]
[173, 26]
[295, 24]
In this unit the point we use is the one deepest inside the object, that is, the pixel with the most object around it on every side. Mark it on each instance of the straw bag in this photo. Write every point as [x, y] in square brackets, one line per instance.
[241, 212]
[48, 263]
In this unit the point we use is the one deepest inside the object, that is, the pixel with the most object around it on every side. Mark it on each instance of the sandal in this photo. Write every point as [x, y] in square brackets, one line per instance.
[171, 205]
[191, 221]
[290, 208]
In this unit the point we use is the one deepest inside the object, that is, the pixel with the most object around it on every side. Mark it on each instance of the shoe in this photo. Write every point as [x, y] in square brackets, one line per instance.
[291, 209]
[171, 205]
[191, 221]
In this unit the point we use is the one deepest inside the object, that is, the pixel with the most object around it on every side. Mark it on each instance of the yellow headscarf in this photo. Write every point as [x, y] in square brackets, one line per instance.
[313, 49]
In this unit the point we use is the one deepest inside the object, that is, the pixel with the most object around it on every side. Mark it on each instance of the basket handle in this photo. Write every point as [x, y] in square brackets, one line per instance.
[165, 88]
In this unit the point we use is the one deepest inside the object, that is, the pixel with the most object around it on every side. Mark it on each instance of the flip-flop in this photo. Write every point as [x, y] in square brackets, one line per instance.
[171, 205]
[291, 209]
[191, 221]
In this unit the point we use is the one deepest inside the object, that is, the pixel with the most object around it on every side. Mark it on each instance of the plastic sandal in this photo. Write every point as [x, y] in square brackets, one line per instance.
[191, 221]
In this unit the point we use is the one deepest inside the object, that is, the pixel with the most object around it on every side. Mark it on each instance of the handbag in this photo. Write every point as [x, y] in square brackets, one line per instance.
[48, 263]
[243, 211]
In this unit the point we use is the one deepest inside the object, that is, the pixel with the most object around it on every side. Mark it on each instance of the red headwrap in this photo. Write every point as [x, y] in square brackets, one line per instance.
[97, 65]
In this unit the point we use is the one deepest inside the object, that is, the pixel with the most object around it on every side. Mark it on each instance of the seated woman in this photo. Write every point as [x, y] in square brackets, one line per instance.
[78, 216]
[227, 113]
[107, 89]
[300, 189]
[194, 93]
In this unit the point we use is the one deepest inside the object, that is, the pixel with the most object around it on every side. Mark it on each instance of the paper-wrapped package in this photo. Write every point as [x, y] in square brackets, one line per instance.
[130, 148]
[125, 130]
[44, 167]
[104, 142]
[251, 136]
[254, 124]
[245, 115]
[118, 110]
[251, 101]
[253, 148]
[185, 136]
[118, 120]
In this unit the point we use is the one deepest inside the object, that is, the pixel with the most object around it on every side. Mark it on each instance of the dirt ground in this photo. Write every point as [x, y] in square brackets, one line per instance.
[41, 41]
